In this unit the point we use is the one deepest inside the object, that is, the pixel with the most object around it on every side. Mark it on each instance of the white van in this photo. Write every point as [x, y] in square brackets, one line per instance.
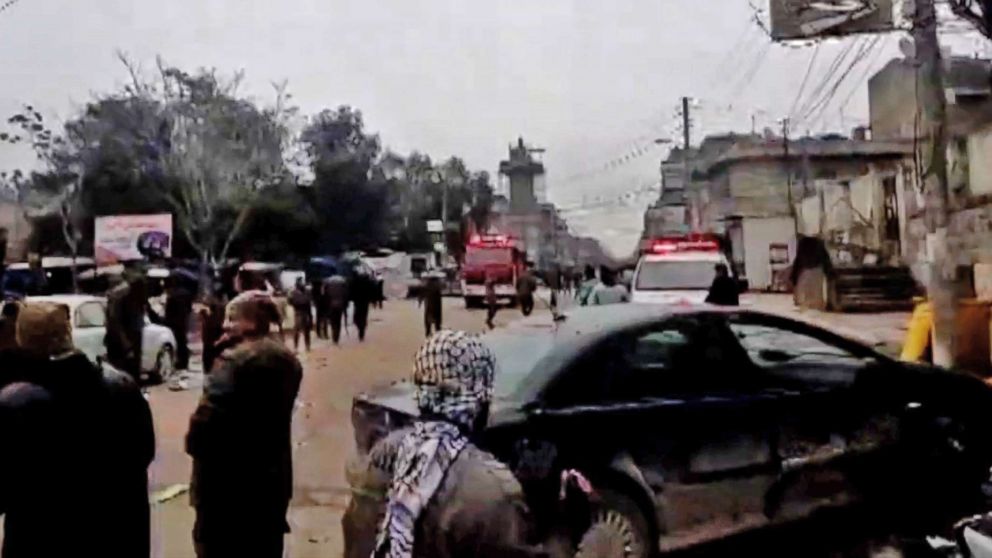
[677, 271]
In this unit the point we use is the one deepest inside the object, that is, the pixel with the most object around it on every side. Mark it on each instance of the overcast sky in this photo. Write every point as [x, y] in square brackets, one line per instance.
[590, 80]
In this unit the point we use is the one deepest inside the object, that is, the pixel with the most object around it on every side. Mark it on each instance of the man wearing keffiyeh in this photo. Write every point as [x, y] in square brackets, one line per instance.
[429, 489]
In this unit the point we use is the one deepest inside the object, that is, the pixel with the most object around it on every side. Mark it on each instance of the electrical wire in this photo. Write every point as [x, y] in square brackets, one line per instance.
[8, 4]
[817, 92]
[866, 49]
[802, 87]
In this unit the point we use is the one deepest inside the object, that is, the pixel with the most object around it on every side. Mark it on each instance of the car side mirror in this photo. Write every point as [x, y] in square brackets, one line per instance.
[743, 285]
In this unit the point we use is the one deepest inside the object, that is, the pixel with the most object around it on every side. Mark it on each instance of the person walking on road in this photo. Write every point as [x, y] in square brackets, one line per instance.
[608, 291]
[178, 309]
[239, 437]
[302, 304]
[526, 285]
[724, 290]
[427, 490]
[583, 291]
[74, 435]
[492, 303]
[362, 294]
[431, 298]
[336, 298]
[211, 313]
[321, 308]
[126, 306]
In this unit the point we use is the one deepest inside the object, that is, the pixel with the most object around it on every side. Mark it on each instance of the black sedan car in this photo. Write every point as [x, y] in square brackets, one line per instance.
[695, 423]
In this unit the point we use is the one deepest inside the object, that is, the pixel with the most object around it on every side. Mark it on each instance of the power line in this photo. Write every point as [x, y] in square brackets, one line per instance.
[811, 100]
[863, 53]
[7, 4]
[802, 87]
[829, 88]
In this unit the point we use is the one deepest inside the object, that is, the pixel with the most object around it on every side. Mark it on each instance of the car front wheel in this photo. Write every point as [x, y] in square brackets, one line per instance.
[165, 364]
[618, 529]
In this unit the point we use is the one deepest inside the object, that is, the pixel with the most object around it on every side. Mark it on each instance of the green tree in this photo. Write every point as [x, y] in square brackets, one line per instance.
[349, 198]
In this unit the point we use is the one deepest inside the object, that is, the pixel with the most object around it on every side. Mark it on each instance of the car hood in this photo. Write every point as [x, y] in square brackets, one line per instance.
[670, 297]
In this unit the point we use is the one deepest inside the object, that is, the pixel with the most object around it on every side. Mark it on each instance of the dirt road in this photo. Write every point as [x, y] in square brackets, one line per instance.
[322, 429]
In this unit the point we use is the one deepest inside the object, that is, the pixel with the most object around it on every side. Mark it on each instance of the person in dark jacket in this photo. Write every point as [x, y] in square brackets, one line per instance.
[427, 490]
[336, 298]
[526, 285]
[8, 324]
[362, 292]
[239, 437]
[126, 304]
[73, 435]
[302, 304]
[724, 290]
[178, 309]
[431, 298]
[320, 309]
[211, 312]
[492, 303]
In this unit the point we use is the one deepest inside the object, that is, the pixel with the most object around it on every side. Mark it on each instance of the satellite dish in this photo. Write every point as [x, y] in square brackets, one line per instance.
[907, 47]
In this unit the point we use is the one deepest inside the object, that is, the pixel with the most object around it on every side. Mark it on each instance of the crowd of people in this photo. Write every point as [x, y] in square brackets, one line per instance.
[75, 431]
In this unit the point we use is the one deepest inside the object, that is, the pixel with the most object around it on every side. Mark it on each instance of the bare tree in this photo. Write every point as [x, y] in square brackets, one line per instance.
[976, 12]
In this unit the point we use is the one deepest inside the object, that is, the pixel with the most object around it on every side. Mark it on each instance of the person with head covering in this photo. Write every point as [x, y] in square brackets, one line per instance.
[724, 291]
[73, 434]
[239, 437]
[427, 490]
[126, 307]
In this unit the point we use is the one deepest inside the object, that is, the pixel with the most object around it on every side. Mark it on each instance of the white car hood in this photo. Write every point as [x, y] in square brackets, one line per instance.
[670, 297]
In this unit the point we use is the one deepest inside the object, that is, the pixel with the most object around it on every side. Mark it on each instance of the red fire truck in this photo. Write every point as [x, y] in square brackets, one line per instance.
[491, 255]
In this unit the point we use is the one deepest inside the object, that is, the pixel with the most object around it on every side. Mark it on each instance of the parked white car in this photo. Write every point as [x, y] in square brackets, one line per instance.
[89, 319]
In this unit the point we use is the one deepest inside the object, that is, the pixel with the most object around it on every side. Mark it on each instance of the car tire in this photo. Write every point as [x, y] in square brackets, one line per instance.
[165, 364]
[617, 529]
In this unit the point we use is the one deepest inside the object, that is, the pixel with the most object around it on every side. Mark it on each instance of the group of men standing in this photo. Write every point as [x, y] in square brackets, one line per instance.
[78, 434]
[329, 299]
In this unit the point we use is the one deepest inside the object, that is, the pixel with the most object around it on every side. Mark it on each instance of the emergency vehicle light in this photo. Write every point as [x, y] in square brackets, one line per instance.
[694, 243]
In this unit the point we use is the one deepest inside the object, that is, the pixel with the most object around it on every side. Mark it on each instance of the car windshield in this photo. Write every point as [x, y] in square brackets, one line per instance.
[654, 276]
[487, 256]
[517, 353]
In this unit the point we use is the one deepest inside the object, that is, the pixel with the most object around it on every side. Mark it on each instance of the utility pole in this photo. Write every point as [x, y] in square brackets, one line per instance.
[788, 174]
[941, 268]
[685, 123]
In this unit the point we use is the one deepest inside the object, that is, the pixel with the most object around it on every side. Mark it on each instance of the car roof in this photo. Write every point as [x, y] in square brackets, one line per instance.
[70, 300]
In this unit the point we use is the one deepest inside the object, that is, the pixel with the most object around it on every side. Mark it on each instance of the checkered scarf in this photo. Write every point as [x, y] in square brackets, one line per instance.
[453, 373]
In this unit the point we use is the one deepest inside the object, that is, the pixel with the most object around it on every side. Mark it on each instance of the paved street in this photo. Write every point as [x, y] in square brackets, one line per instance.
[322, 428]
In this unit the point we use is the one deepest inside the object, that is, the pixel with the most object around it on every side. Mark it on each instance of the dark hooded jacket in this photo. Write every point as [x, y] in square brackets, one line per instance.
[478, 511]
[239, 438]
[74, 437]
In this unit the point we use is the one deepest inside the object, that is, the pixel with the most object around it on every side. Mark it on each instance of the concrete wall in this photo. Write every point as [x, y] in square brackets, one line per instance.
[758, 234]
[980, 162]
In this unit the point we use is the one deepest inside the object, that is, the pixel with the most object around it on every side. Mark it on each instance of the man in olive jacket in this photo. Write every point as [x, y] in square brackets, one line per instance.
[239, 438]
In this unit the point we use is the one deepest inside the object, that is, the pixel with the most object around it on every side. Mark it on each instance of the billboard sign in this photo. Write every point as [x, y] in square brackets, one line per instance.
[812, 19]
[122, 238]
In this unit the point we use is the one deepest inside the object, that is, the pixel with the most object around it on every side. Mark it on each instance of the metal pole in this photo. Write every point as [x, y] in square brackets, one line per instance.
[788, 174]
[941, 267]
[685, 123]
